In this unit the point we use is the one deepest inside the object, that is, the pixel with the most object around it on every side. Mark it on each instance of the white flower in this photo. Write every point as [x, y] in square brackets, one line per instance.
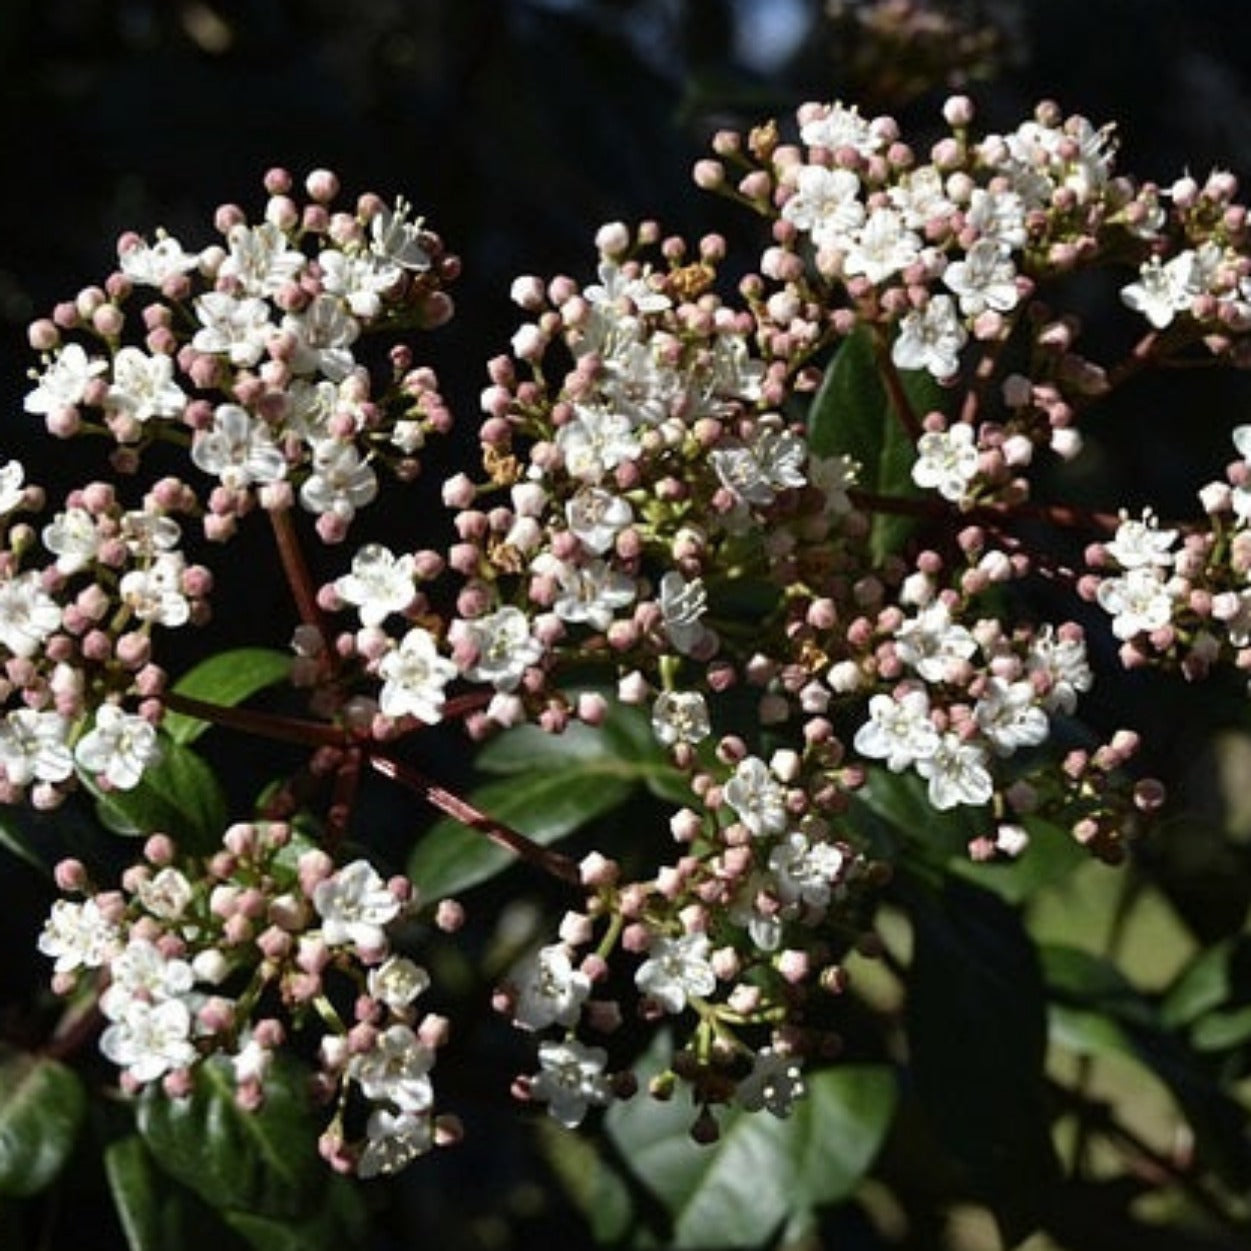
[931, 338]
[921, 196]
[680, 717]
[1162, 291]
[396, 1069]
[414, 675]
[77, 936]
[503, 645]
[549, 990]
[64, 381]
[1063, 662]
[237, 328]
[1141, 543]
[881, 247]
[12, 492]
[590, 593]
[33, 747]
[676, 970]
[168, 894]
[155, 594]
[392, 1141]
[149, 1040]
[757, 797]
[595, 442]
[147, 534]
[931, 643]
[339, 483]
[140, 971]
[826, 204]
[957, 774]
[396, 240]
[119, 747]
[152, 265]
[1139, 601]
[755, 474]
[1009, 715]
[360, 281]
[72, 537]
[682, 605]
[379, 583]
[985, 278]
[571, 1078]
[597, 516]
[836, 126]
[947, 461]
[144, 387]
[776, 1080]
[261, 259]
[397, 982]
[354, 906]
[324, 333]
[898, 731]
[28, 614]
[998, 216]
[805, 871]
[833, 476]
[238, 448]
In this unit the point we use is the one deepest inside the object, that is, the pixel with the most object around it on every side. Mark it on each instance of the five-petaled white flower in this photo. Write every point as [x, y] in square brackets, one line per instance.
[1139, 601]
[118, 748]
[238, 328]
[676, 970]
[340, 482]
[680, 717]
[502, 645]
[956, 773]
[413, 676]
[899, 730]
[931, 338]
[28, 614]
[1010, 716]
[78, 936]
[947, 461]
[238, 448]
[64, 381]
[149, 1040]
[757, 797]
[34, 746]
[355, 905]
[393, 1140]
[571, 1078]
[682, 606]
[397, 982]
[396, 1069]
[549, 990]
[143, 386]
[379, 584]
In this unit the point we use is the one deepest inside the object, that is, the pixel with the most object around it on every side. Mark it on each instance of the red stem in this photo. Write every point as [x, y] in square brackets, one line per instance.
[294, 566]
[463, 811]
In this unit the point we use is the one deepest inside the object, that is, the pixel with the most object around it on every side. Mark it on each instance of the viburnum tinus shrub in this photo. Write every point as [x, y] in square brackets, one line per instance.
[766, 562]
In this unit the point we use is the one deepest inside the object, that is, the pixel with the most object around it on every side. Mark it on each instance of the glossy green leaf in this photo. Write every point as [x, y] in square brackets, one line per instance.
[852, 415]
[264, 1161]
[15, 839]
[814, 1158]
[227, 679]
[913, 826]
[977, 1032]
[42, 1105]
[179, 796]
[1082, 979]
[543, 805]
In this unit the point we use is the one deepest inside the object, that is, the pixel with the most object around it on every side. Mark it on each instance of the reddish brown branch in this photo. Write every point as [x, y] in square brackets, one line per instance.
[260, 724]
[295, 567]
[463, 811]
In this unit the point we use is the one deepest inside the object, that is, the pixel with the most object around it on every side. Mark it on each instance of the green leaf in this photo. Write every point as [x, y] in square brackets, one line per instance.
[226, 679]
[852, 415]
[15, 839]
[179, 796]
[264, 1161]
[912, 823]
[1080, 978]
[1202, 985]
[977, 1033]
[1221, 1031]
[814, 1158]
[154, 1210]
[42, 1105]
[544, 806]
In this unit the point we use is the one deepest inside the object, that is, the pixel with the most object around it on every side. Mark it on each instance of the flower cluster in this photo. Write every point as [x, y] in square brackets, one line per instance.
[816, 590]
[223, 960]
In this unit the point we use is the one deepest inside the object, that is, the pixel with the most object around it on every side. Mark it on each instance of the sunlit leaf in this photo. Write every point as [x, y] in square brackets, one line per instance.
[818, 1155]
[1202, 985]
[42, 1105]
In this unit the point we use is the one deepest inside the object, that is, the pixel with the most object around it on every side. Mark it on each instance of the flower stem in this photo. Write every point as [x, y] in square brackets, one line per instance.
[296, 568]
[462, 810]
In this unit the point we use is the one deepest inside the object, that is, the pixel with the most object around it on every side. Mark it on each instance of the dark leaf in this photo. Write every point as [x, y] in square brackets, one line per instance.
[42, 1105]
[227, 679]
